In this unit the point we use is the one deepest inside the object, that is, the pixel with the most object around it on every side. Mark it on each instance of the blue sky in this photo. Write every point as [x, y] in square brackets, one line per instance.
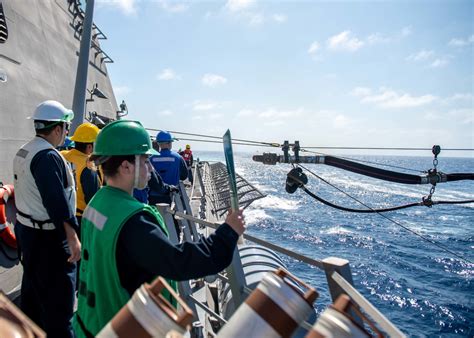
[344, 73]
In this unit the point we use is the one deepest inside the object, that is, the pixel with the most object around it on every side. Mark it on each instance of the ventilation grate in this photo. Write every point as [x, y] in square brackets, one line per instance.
[3, 26]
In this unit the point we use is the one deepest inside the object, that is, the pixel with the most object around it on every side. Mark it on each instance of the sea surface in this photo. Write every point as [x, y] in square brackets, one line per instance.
[422, 289]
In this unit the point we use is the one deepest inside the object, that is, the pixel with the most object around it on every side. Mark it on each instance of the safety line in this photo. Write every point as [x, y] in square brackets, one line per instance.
[278, 145]
[439, 245]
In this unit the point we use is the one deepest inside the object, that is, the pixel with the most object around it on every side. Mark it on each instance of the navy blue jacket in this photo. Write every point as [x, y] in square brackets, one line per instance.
[144, 252]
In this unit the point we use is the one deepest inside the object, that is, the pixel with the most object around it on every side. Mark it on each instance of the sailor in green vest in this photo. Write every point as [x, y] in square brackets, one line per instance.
[125, 242]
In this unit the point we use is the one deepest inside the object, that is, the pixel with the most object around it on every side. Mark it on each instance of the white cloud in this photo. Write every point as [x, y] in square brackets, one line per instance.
[387, 98]
[213, 80]
[330, 76]
[340, 121]
[121, 91]
[313, 48]
[344, 41]
[174, 7]
[165, 113]
[272, 113]
[361, 91]
[239, 5]
[280, 18]
[406, 31]
[461, 96]
[255, 19]
[421, 55]
[205, 105]
[245, 112]
[375, 38]
[463, 115]
[274, 123]
[214, 116]
[168, 74]
[460, 42]
[430, 116]
[438, 63]
[128, 7]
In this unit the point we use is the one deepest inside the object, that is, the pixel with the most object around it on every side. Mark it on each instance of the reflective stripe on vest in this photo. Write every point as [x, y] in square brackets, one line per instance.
[101, 294]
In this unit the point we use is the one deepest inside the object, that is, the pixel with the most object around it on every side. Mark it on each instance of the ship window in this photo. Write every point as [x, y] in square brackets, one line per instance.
[3, 26]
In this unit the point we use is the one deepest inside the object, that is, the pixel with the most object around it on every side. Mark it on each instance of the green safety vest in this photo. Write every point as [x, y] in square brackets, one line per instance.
[101, 295]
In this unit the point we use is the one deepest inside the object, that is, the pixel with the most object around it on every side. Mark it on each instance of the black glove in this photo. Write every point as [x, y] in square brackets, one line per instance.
[173, 188]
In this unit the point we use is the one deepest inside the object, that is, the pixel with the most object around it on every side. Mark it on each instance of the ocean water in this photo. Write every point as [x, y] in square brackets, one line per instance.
[422, 289]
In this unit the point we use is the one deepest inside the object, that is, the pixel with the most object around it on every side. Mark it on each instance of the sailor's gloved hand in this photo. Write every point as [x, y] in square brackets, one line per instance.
[173, 188]
[236, 221]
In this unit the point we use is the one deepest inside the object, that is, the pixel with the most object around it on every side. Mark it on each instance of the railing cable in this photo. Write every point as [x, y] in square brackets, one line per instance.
[436, 243]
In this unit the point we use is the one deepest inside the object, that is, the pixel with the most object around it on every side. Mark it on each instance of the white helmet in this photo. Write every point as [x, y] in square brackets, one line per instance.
[52, 111]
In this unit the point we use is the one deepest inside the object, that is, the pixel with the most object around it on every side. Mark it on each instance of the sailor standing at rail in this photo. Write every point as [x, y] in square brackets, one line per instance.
[169, 165]
[187, 155]
[125, 242]
[46, 227]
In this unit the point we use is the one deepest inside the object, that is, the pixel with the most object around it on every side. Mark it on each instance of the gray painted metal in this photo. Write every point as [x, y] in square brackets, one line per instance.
[371, 310]
[80, 88]
[39, 59]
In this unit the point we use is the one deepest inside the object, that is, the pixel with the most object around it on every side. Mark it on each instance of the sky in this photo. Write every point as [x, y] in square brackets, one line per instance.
[326, 73]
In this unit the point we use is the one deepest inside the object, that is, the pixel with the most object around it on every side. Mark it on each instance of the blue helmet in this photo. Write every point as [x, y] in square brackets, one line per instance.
[164, 137]
[68, 142]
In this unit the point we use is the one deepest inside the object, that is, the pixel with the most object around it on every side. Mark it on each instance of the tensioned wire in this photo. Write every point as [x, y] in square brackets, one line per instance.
[272, 145]
[245, 142]
[278, 145]
[436, 243]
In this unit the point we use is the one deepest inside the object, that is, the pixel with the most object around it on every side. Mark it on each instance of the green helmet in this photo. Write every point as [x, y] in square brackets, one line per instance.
[123, 137]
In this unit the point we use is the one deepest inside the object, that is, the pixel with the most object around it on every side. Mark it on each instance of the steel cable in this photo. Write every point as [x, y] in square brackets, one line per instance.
[436, 243]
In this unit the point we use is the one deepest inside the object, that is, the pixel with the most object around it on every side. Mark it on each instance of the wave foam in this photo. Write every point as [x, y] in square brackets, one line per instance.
[274, 202]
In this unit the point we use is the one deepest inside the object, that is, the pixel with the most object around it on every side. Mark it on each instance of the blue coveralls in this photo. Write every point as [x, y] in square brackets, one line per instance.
[172, 168]
[48, 285]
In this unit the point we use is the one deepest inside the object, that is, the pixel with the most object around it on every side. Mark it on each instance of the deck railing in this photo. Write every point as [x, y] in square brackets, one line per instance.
[337, 270]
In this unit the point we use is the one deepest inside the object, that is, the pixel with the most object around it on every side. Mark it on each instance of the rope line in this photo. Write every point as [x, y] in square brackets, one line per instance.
[436, 243]
[365, 161]
[278, 145]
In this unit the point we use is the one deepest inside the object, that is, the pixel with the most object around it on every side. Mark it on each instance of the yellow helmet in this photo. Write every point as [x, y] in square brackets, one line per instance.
[188, 146]
[85, 133]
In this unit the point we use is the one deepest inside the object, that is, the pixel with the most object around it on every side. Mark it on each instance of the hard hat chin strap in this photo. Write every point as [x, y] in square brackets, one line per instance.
[137, 171]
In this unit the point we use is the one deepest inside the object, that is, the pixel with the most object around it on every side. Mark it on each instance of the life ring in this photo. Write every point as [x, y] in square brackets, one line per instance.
[6, 203]
[6, 192]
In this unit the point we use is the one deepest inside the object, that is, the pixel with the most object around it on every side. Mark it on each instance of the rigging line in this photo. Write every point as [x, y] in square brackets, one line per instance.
[436, 243]
[276, 145]
[363, 211]
[390, 148]
[220, 142]
[365, 161]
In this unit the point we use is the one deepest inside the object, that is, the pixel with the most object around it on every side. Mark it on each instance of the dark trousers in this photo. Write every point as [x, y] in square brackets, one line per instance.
[190, 175]
[48, 285]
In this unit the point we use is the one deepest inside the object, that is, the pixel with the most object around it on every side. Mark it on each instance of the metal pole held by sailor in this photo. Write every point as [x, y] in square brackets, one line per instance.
[235, 270]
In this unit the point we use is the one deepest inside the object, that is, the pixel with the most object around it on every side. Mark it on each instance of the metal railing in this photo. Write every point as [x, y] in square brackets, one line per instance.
[337, 270]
